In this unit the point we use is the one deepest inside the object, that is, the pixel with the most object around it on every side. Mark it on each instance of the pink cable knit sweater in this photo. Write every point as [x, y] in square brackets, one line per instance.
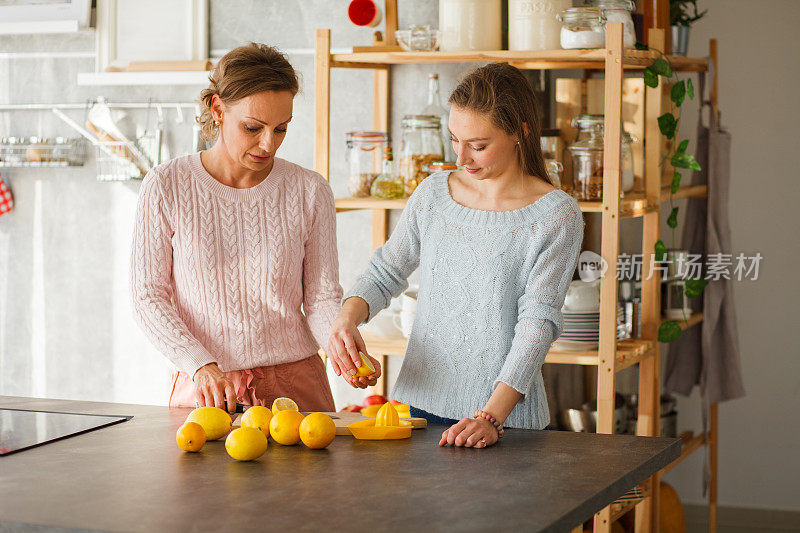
[220, 274]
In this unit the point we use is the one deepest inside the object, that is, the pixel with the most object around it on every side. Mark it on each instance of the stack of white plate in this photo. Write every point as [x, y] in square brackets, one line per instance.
[582, 330]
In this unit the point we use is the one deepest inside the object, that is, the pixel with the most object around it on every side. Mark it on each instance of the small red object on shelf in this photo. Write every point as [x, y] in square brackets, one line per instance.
[364, 13]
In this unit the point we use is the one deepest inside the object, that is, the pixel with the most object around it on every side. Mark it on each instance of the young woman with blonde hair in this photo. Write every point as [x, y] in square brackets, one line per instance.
[497, 246]
[234, 272]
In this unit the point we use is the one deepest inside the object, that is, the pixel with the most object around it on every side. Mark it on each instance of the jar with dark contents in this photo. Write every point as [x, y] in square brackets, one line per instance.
[421, 145]
[364, 158]
[587, 166]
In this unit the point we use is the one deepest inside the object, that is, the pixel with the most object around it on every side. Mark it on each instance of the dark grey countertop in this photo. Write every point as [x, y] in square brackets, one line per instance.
[132, 477]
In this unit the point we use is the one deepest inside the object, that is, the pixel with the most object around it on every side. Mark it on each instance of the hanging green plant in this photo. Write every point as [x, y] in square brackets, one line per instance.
[678, 158]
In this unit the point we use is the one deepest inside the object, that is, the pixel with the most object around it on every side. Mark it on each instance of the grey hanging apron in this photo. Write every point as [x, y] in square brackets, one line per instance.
[708, 355]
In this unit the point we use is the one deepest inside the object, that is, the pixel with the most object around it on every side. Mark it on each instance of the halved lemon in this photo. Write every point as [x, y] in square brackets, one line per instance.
[283, 404]
[366, 368]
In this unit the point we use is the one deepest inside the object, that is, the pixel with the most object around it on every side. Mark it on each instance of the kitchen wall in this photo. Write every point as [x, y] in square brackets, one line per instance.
[65, 322]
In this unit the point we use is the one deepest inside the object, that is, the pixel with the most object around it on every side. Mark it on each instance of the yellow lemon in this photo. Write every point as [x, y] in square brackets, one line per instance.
[366, 368]
[246, 444]
[371, 410]
[317, 430]
[190, 437]
[283, 404]
[387, 416]
[215, 421]
[285, 427]
[257, 417]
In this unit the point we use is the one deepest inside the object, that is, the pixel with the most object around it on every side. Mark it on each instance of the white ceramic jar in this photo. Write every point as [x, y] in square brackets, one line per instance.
[532, 24]
[470, 25]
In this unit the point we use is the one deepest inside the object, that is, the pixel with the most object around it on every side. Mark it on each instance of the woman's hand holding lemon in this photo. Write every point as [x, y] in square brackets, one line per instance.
[213, 388]
[345, 346]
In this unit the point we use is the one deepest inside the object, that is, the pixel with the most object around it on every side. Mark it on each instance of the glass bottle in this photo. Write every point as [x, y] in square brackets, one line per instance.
[388, 186]
[435, 107]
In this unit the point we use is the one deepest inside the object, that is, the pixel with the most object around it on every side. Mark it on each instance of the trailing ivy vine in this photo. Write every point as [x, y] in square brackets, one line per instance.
[680, 160]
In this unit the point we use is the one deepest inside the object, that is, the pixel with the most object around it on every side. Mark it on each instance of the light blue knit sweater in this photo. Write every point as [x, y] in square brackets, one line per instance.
[492, 284]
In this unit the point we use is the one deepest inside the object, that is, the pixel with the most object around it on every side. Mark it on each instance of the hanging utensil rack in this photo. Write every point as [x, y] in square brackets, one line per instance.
[115, 159]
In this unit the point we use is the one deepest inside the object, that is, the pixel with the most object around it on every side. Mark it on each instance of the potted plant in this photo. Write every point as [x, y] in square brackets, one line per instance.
[682, 14]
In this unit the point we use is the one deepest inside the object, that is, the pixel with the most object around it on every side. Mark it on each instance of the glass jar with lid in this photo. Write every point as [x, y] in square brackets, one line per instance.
[585, 124]
[364, 158]
[421, 145]
[620, 11]
[582, 27]
[587, 161]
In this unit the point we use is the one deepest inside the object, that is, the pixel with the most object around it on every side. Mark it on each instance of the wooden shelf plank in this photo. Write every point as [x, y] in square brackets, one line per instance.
[632, 205]
[629, 351]
[691, 191]
[690, 445]
[692, 320]
[547, 59]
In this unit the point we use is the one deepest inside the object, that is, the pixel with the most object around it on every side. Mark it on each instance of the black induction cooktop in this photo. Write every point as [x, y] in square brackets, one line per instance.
[22, 429]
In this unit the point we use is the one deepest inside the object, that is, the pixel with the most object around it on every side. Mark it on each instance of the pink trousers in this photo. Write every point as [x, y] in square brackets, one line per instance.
[303, 381]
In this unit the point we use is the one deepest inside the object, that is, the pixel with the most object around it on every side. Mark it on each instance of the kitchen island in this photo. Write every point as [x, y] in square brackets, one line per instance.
[132, 477]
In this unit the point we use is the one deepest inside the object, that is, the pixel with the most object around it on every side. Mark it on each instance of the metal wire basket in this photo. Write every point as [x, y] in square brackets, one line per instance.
[42, 152]
[120, 161]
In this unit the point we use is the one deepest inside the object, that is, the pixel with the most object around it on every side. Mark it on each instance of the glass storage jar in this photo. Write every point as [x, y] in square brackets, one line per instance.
[587, 160]
[585, 123]
[364, 158]
[554, 170]
[582, 27]
[421, 145]
[620, 11]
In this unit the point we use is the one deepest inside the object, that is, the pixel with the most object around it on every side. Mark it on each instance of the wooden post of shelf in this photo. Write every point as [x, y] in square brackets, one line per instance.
[390, 10]
[713, 436]
[656, 16]
[322, 103]
[606, 370]
[380, 122]
[650, 367]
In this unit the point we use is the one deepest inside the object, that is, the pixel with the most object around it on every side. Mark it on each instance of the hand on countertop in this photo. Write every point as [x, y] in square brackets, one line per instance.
[213, 388]
[470, 433]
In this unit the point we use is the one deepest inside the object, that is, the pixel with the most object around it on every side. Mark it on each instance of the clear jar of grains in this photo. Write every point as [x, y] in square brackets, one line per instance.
[587, 159]
[421, 145]
[364, 157]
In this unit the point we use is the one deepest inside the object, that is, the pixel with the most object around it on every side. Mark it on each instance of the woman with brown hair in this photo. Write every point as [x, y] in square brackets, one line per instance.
[496, 245]
[234, 273]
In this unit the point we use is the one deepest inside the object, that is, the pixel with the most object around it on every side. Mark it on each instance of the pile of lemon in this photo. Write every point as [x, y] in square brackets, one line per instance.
[284, 423]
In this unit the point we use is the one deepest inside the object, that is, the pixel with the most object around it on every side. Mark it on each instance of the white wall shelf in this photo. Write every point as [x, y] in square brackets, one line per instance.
[144, 78]
[39, 26]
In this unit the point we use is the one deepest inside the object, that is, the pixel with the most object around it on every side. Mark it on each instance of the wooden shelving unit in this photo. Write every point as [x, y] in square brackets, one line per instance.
[612, 355]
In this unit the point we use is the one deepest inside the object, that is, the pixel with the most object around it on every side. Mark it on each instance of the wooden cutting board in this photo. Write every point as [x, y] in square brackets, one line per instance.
[343, 419]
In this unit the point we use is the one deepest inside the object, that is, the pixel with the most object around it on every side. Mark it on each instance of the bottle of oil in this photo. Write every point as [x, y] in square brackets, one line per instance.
[388, 186]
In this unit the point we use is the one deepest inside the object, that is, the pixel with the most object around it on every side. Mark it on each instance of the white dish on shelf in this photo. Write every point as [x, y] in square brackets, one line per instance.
[575, 346]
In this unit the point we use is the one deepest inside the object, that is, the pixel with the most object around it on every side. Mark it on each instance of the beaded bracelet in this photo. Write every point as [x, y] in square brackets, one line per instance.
[492, 420]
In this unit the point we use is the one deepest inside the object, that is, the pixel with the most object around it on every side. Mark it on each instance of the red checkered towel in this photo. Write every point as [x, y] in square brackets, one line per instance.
[6, 201]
